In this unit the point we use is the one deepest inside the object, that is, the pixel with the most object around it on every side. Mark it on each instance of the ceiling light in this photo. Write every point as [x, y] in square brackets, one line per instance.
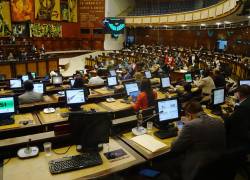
[248, 17]
[218, 23]
[203, 24]
[183, 25]
[227, 22]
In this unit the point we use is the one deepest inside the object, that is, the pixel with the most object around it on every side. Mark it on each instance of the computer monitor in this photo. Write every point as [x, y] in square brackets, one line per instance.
[15, 83]
[132, 90]
[165, 82]
[39, 88]
[245, 82]
[148, 74]
[188, 77]
[25, 78]
[218, 96]
[90, 129]
[112, 73]
[57, 80]
[169, 111]
[33, 75]
[7, 109]
[72, 82]
[112, 81]
[2, 77]
[75, 98]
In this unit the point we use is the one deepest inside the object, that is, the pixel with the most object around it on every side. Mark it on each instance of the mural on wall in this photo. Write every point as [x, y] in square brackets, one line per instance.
[47, 10]
[22, 10]
[72, 4]
[45, 30]
[20, 29]
[5, 19]
[64, 11]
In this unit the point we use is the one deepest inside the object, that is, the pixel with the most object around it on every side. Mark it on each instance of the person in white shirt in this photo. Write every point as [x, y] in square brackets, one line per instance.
[96, 79]
[206, 84]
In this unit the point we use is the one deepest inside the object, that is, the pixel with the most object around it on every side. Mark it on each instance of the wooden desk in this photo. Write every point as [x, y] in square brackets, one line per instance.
[104, 91]
[37, 168]
[209, 113]
[54, 88]
[96, 107]
[115, 106]
[18, 122]
[144, 152]
[6, 92]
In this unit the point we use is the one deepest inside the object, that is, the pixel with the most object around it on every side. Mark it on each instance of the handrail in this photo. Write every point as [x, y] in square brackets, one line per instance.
[213, 12]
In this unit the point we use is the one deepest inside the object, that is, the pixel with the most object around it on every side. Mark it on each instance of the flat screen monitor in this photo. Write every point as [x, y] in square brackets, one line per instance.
[72, 82]
[218, 96]
[57, 80]
[75, 97]
[112, 81]
[25, 78]
[131, 88]
[245, 82]
[33, 75]
[15, 83]
[7, 105]
[165, 82]
[221, 45]
[39, 88]
[112, 73]
[90, 129]
[148, 74]
[169, 111]
[188, 77]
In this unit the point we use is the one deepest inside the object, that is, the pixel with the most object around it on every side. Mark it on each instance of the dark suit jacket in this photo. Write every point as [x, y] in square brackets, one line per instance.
[201, 141]
[238, 126]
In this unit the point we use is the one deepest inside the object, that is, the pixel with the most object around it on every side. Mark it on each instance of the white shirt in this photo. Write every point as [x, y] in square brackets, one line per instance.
[96, 81]
[206, 84]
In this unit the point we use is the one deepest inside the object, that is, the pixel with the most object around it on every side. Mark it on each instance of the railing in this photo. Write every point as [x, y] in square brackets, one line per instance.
[216, 11]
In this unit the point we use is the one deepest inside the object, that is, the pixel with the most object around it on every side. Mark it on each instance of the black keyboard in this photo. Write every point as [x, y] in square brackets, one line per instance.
[164, 134]
[71, 163]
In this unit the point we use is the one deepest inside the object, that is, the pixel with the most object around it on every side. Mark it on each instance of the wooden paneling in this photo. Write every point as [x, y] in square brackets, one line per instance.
[53, 65]
[6, 70]
[42, 68]
[20, 68]
[31, 67]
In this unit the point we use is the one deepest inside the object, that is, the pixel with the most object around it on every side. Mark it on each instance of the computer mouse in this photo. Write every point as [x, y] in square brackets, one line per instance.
[92, 110]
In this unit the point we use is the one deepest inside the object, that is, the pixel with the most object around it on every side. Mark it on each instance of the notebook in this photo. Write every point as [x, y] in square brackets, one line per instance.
[149, 142]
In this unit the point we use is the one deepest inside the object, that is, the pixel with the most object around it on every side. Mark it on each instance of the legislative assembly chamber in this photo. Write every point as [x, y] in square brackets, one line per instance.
[125, 89]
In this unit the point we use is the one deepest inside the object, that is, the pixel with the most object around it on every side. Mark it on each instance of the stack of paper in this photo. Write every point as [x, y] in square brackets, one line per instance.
[149, 142]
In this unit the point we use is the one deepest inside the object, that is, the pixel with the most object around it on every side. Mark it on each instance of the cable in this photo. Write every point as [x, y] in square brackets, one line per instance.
[4, 163]
[63, 152]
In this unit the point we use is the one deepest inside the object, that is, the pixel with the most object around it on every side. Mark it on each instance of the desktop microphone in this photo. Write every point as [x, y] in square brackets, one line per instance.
[28, 152]
[140, 130]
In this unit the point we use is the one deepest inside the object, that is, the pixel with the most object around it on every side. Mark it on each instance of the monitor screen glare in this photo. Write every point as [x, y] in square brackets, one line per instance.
[7, 105]
[15, 83]
[245, 82]
[75, 96]
[188, 78]
[168, 110]
[112, 81]
[112, 73]
[39, 88]
[165, 82]
[57, 80]
[25, 78]
[148, 74]
[219, 96]
[131, 87]
[72, 82]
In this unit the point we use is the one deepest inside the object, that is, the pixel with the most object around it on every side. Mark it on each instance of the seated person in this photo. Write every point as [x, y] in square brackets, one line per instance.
[238, 124]
[219, 79]
[30, 96]
[201, 141]
[206, 84]
[78, 82]
[187, 94]
[147, 96]
[126, 75]
[96, 79]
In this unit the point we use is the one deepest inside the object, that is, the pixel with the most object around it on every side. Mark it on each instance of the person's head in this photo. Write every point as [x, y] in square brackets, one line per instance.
[146, 87]
[216, 72]
[78, 82]
[28, 85]
[206, 73]
[30, 75]
[192, 108]
[242, 92]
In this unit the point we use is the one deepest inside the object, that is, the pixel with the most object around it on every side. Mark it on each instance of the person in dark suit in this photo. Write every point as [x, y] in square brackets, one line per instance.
[200, 142]
[238, 123]
[219, 79]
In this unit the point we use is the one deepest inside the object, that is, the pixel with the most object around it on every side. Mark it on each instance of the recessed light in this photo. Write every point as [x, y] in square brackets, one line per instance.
[203, 24]
[183, 25]
[227, 22]
[218, 23]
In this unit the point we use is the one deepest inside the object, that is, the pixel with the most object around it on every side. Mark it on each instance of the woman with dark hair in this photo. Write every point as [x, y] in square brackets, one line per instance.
[147, 96]
[78, 82]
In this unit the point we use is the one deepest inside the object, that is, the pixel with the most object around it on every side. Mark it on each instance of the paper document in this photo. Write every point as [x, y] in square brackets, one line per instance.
[149, 142]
